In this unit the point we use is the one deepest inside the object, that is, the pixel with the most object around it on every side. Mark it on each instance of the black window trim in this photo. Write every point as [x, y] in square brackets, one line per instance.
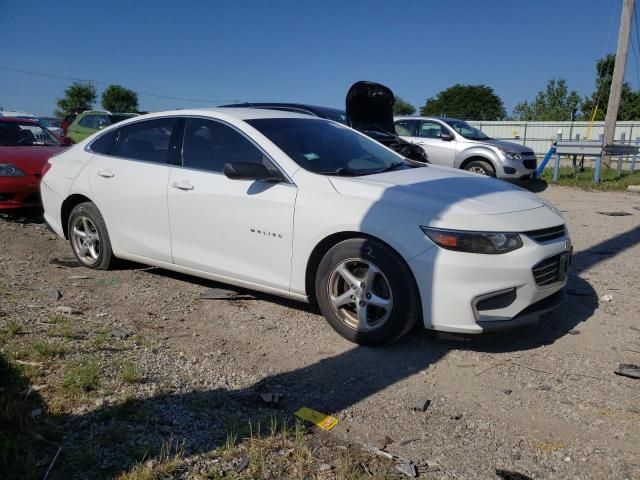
[171, 147]
[287, 179]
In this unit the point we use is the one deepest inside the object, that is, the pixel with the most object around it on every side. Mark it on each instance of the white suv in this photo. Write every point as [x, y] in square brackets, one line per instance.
[310, 209]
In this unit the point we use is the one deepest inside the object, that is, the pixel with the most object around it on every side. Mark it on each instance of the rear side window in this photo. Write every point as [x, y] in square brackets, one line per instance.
[147, 141]
[105, 144]
[208, 145]
[94, 121]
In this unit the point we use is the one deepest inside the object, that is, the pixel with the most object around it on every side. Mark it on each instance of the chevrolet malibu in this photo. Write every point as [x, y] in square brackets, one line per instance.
[312, 210]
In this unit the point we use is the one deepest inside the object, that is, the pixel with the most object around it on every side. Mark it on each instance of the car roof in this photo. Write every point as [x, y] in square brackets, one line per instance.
[424, 117]
[236, 112]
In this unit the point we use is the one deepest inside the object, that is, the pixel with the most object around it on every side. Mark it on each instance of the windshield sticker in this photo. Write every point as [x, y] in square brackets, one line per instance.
[311, 156]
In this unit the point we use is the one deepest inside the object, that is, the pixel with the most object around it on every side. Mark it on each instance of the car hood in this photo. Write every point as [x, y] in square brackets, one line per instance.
[513, 147]
[440, 192]
[370, 107]
[29, 159]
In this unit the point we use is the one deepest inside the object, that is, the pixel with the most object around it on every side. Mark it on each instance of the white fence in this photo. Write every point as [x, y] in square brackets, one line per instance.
[539, 135]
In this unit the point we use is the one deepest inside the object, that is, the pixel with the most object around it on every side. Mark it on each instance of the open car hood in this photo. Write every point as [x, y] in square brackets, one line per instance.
[370, 107]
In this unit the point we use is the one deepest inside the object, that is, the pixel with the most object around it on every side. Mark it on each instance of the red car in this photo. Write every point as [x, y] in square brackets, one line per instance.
[25, 148]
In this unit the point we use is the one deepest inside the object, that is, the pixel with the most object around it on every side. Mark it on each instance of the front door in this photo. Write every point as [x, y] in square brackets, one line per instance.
[429, 137]
[239, 229]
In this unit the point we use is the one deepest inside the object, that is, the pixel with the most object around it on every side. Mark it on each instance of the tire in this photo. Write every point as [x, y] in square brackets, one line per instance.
[97, 254]
[391, 301]
[481, 167]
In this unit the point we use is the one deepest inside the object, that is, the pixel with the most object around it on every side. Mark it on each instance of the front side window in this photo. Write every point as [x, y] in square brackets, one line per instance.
[208, 145]
[25, 134]
[147, 141]
[406, 128]
[430, 129]
[466, 130]
[326, 147]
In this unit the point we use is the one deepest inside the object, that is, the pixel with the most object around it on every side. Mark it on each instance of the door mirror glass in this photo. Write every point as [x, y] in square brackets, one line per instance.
[446, 136]
[250, 171]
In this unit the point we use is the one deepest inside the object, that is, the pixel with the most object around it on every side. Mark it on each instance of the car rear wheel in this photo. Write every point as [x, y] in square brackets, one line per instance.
[89, 238]
[366, 292]
[481, 167]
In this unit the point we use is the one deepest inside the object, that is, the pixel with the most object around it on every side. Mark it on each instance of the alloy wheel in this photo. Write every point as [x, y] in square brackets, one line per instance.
[85, 240]
[360, 294]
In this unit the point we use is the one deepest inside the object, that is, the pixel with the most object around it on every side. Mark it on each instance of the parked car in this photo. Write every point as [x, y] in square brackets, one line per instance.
[53, 124]
[312, 210]
[369, 110]
[91, 121]
[25, 147]
[455, 143]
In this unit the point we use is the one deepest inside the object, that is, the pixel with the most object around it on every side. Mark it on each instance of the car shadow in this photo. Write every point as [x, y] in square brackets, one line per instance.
[535, 185]
[201, 418]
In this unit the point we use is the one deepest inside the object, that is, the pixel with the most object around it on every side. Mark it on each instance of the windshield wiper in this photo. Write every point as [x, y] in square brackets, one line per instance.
[393, 166]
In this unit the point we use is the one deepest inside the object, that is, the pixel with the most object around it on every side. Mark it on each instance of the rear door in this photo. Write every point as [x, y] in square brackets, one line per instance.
[129, 181]
[239, 229]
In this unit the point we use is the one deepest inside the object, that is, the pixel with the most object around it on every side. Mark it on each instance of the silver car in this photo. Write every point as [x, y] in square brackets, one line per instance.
[455, 143]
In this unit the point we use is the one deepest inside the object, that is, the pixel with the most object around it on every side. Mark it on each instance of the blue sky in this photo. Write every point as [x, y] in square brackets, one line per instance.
[301, 51]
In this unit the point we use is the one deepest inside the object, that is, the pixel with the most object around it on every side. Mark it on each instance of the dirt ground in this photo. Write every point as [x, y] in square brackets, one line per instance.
[539, 402]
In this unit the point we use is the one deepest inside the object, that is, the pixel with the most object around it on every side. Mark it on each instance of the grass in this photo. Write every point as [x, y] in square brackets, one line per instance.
[62, 328]
[608, 181]
[167, 464]
[13, 328]
[42, 349]
[82, 377]
[130, 372]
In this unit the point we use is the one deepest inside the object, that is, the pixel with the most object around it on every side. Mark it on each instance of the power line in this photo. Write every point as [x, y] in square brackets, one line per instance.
[97, 82]
[637, 44]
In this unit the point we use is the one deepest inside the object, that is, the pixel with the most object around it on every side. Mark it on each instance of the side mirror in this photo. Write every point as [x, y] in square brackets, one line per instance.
[446, 136]
[250, 171]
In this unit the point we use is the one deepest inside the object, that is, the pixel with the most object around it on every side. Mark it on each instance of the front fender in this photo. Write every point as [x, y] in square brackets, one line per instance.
[479, 151]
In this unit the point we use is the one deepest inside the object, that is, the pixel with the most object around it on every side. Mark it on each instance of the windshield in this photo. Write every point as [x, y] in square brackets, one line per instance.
[25, 134]
[329, 148]
[466, 130]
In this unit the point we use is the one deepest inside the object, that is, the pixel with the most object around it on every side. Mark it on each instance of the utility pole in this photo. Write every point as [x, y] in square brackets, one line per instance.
[618, 75]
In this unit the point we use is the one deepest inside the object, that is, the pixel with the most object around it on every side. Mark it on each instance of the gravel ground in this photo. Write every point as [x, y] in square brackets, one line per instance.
[541, 402]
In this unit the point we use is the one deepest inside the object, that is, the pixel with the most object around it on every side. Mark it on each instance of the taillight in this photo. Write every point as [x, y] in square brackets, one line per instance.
[45, 168]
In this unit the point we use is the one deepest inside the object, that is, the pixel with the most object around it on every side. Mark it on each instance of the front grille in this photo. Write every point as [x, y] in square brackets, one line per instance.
[530, 164]
[546, 234]
[547, 271]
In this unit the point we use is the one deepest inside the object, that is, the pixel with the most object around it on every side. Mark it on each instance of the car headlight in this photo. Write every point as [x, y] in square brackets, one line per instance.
[511, 155]
[474, 242]
[8, 170]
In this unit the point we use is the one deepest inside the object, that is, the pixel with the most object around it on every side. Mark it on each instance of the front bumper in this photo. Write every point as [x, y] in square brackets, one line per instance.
[474, 293]
[19, 192]
[517, 169]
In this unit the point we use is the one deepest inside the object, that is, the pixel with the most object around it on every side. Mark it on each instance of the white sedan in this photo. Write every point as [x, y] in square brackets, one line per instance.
[309, 209]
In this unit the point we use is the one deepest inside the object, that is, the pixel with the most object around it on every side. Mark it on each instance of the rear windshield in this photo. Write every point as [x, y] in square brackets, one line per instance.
[326, 147]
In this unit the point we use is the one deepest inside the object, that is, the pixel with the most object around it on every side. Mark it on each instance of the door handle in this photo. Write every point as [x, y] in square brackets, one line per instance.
[182, 185]
[106, 173]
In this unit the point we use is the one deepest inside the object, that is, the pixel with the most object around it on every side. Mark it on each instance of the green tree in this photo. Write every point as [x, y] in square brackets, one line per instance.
[116, 98]
[629, 99]
[555, 102]
[402, 107]
[78, 96]
[468, 102]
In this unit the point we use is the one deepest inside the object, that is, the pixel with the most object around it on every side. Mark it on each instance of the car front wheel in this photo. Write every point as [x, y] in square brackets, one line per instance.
[89, 238]
[481, 167]
[367, 292]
